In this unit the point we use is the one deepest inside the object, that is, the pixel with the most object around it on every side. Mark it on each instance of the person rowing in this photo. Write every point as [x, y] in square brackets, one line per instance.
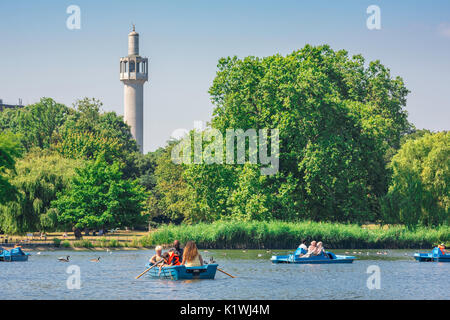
[157, 256]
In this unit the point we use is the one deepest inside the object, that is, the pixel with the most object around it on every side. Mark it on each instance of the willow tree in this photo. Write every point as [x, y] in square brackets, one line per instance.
[420, 185]
[38, 179]
[10, 149]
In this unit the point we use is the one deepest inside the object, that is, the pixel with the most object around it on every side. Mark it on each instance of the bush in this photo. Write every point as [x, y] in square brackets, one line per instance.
[56, 242]
[83, 244]
[65, 244]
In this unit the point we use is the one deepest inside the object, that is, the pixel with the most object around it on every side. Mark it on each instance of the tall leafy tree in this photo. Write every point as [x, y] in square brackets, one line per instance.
[98, 196]
[336, 119]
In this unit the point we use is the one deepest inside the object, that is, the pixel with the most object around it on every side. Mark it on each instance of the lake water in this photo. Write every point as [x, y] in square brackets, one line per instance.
[43, 277]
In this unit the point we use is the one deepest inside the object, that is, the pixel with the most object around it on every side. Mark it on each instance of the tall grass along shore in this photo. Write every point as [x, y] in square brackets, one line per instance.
[287, 235]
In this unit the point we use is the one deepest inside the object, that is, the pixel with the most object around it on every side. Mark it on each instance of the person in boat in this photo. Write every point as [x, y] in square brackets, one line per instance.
[158, 255]
[441, 248]
[174, 258]
[191, 256]
[165, 262]
[319, 249]
[177, 246]
[302, 249]
[311, 249]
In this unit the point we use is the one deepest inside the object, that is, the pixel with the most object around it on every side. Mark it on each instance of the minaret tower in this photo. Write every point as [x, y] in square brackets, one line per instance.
[133, 74]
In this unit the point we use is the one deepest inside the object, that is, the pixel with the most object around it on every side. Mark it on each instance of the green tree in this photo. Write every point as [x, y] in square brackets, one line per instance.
[89, 132]
[37, 123]
[336, 119]
[10, 149]
[419, 189]
[169, 199]
[98, 196]
[39, 177]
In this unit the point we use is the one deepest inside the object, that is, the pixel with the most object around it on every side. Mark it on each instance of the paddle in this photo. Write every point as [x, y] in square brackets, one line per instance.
[225, 273]
[149, 268]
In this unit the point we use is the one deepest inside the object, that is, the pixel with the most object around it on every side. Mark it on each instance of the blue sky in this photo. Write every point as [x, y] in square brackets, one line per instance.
[183, 40]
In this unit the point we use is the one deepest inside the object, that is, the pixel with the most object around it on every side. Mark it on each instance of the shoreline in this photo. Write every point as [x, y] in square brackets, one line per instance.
[166, 247]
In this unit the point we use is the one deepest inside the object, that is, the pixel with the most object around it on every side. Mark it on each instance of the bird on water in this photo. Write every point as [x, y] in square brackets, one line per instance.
[61, 259]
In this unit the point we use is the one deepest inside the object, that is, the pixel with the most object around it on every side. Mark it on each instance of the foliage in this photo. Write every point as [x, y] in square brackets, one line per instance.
[99, 197]
[88, 132]
[10, 149]
[287, 235]
[336, 120]
[419, 190]
[168, 200]
[37, 123]
[40, 176]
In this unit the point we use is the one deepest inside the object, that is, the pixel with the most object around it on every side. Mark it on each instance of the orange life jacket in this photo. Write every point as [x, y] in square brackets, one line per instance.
[442, 248]
[174, 259]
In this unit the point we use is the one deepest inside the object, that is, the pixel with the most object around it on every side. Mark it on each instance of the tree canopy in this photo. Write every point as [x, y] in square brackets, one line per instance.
[99, 197]
[336, 119]
[419, 189]
[10, 149]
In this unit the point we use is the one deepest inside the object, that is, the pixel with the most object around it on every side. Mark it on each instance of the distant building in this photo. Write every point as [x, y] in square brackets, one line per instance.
[4, 106]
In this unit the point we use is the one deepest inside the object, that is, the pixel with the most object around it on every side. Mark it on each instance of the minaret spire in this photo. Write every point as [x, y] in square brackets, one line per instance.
[133, 74]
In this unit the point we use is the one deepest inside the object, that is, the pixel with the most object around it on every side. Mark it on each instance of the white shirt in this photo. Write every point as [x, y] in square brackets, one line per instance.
[303, 246]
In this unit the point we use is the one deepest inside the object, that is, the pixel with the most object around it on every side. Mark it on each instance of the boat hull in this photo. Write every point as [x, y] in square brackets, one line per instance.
[330, 258]
[183, 273]
[430, 257]
[13, 255]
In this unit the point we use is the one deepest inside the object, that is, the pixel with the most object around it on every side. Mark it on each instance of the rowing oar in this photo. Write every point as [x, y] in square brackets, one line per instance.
[149, 268]
[225, 273]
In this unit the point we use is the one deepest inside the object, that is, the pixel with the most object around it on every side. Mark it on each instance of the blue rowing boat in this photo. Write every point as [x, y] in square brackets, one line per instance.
[16, 254]
[327, 258]
[434, 256]
[207, 271]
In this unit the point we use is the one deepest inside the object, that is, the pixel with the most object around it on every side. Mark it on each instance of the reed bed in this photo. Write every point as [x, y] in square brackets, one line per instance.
[287, 235]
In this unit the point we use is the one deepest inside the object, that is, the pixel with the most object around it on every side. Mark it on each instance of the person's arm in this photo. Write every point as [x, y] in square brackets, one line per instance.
[153, 260]
[201, 259]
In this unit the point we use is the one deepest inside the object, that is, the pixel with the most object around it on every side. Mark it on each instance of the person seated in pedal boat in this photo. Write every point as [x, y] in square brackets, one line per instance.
[311, 249]
[191, 257]
[302, 249]
[158, 256]
[319, 249]
[441, 248]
